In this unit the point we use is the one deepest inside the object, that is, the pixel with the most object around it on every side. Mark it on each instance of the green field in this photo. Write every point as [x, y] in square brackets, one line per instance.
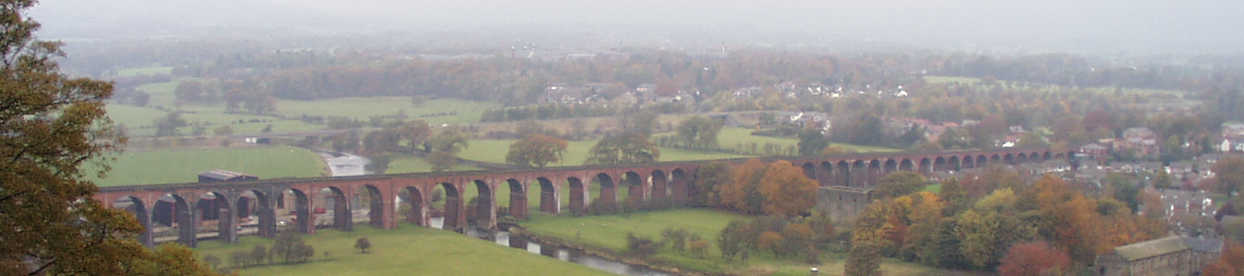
[734, 137]
[952, 79]
[139, 120]
[407, 250]
[179, 166]
[609, 232]
[145, 71]
[494, 151]
[361, 108]
[411, 164]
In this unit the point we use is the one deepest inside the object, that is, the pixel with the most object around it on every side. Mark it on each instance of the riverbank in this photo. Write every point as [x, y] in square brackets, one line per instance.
[606, 236]
[407, 250]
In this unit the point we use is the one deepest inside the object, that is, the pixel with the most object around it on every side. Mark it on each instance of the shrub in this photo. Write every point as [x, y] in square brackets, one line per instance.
[362, 244]
[640, 246]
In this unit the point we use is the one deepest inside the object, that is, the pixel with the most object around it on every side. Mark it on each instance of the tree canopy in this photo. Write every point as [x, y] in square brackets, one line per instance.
[50, 125]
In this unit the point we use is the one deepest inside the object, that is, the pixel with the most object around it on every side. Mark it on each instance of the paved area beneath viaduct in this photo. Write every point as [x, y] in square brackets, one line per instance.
[847, 182]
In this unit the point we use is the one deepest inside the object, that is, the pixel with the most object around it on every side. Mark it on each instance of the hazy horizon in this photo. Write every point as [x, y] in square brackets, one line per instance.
[1112, 26]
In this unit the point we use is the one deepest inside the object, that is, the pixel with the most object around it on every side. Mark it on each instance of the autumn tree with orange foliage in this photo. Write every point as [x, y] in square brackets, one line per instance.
[741, 194]
[786, 191]
[1034, 259]
[1229, 263]
[1069, 219]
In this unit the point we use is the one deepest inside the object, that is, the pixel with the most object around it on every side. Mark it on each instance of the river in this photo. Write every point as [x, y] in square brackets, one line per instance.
[502, 238]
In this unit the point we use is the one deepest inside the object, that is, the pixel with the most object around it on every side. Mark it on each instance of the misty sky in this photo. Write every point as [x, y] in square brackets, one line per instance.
[1193, 26]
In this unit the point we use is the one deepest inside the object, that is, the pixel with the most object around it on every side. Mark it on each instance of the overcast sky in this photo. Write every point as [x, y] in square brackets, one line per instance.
[1187, 26]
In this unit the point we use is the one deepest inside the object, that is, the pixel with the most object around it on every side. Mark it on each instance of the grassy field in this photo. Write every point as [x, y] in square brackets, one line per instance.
[178, 166]
[139, 120]
[145, 71]
[609, 232]
[408, 250]
[361, 108]
[576, 152]
[411, 164]
[732, 137]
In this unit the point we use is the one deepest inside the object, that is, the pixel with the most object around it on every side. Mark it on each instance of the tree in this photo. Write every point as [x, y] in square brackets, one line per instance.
[787, 192]
[416, 134]
[536, 150]
[742, 193]
[445, 147]
[900, 183]
[1229, 174]
[51, 125]
[709, 179]
[290, 247]
[382, 141]
[167, 125]
[864, 259]
[223, 131]
[624, 148]
[259, 254]
[811, 142]
[1034, 259]
[362, 244]
[699, 132]
[733, 239]
[378, 164]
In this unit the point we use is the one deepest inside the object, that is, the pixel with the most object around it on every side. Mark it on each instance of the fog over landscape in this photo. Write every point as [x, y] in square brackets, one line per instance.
[1100, 27]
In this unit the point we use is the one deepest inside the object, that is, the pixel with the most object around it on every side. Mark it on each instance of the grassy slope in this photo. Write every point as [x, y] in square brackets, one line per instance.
[177, 166]
[407, 250]
[610, 232]
[363, 107]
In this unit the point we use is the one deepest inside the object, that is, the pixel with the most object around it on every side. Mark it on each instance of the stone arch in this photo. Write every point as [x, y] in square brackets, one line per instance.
[660, 188]
[825, 174]
[1021, 158]
[138, 208]
[890, 166]
[1045, 156]
[343, 219]
[860, 173]
[417, 210]
[925, 165]
[256, 203]
[964, 163]
[173, 211]
[550, 203]
[844, 173]
[1009, 158]
[636, 185]
[303, 220]
[995, 158]
[453, 207]
[518, 198]
[874, 172]
[578, 195]
[213, 205]
[809, 170]
[981, 161]
[485, 215]
[942, 163]
[375, 204]
[679, 187]
[608, 190]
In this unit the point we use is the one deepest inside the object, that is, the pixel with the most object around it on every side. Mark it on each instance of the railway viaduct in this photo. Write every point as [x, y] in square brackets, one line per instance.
[846, 181]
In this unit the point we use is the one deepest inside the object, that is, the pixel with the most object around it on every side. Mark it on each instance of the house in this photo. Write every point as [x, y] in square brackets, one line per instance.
[1173, 256]
[1094, 150]
[218, 175]
[1233, 130]
[1142, 140]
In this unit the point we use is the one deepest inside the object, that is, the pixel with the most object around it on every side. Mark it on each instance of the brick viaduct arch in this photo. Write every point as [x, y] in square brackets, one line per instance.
[848, 178]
